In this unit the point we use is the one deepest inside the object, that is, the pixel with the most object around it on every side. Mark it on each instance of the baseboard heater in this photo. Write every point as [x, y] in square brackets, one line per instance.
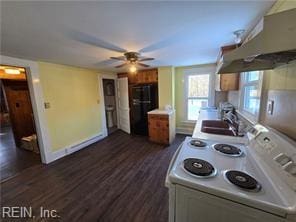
[83, 144]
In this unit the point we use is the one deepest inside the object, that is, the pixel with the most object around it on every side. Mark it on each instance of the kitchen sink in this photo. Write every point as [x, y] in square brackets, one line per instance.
[215, 123]
[216, 127]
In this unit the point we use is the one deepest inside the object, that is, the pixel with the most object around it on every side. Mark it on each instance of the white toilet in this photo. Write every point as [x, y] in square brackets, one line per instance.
[109, 111]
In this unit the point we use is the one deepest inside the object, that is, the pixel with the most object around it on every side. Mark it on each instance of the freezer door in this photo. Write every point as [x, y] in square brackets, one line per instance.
[141, 93]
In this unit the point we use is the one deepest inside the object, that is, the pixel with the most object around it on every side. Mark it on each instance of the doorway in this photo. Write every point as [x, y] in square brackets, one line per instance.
[110, 104]
[19, 145]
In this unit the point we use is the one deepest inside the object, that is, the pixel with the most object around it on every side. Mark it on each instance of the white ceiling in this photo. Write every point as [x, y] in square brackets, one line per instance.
[174, 33]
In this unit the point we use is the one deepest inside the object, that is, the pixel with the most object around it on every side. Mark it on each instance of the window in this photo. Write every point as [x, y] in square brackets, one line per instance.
[197, 94]
[250, 94]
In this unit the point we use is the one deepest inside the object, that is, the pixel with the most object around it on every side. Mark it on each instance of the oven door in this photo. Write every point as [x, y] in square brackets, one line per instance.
[194, 206]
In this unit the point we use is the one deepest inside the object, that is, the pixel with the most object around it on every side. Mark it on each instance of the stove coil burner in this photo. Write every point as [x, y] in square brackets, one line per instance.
[197, 143]
[199, 168]
[243, 180]
[227, 149]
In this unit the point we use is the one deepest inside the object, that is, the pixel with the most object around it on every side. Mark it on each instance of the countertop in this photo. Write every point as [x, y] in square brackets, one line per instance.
[161, 112]
[212, 114]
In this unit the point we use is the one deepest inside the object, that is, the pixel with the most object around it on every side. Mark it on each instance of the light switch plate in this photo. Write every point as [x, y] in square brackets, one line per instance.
[46, 105]
[270, 104]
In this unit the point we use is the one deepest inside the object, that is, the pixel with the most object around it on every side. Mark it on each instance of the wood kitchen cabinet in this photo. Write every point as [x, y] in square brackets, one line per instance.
[229, 81]
[141, 77]
[161, 127]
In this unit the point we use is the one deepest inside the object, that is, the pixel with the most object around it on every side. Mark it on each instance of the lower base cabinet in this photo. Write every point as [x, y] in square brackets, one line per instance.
[161, 128]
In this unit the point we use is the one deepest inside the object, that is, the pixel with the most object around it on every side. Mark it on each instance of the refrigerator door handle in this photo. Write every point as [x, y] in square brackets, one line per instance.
[135, 101]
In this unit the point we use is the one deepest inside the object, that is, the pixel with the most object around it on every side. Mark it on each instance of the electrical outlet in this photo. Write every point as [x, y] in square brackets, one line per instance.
[46, 105]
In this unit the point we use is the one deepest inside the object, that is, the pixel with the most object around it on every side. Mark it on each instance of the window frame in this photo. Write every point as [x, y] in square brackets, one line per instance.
[254, 117]
[209, 70]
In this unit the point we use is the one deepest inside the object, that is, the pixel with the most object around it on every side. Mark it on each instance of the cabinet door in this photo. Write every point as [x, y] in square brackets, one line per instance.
[229, 82]
[165, 132]
[154, 76]
[152, 126]
[153, 135]
[146, 76]
[132, 78]
[163, 123]
[159, 129]
[140, 77]
[164, 136]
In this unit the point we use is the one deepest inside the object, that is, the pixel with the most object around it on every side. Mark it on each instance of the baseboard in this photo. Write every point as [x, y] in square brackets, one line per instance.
[75, 147]
[186, 131]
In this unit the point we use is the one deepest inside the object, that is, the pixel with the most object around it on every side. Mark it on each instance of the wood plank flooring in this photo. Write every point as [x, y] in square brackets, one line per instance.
[12, 159]
[120, 178]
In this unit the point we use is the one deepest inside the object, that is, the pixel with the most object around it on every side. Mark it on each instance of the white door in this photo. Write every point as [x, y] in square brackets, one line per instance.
[123, 105]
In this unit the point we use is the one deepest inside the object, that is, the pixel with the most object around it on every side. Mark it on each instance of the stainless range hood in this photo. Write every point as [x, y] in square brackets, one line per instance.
[275, 45]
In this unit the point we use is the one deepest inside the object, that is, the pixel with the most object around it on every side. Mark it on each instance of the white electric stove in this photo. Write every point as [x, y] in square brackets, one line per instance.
[213, 181]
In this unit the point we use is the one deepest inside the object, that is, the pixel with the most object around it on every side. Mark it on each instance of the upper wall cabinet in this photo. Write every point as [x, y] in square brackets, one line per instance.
[229, 81]
[141, 77]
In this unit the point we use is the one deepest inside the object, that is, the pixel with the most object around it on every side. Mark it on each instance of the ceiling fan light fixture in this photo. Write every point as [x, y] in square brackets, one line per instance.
[132, 59]
[133, 69]
[12, 71]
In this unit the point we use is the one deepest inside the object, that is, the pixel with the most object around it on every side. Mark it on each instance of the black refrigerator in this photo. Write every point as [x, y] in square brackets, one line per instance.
[144, 99]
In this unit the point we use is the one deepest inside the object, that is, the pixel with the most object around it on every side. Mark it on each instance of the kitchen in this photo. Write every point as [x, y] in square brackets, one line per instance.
[162, 130]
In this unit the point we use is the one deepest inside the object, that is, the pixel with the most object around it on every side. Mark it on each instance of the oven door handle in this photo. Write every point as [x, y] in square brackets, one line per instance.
[167, 182]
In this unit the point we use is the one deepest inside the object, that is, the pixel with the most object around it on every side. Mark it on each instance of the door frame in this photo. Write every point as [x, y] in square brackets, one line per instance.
[37, 101]
[102, 99]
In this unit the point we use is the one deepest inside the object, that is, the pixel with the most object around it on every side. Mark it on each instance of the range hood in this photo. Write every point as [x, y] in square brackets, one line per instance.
[275, 45]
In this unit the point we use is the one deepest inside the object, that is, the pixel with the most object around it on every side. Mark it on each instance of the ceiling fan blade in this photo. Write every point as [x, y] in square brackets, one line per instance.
[142, 64]
[106, 62]
[146, 59]
[94, 41]
[122, 58]
[119, 66]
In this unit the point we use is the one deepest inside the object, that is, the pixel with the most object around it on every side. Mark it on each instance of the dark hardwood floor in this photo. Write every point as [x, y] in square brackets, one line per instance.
[120, 178]
[12, 159]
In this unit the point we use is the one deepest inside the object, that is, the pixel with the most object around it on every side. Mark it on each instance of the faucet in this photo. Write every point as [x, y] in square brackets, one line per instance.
[238, 127]
[230, 117]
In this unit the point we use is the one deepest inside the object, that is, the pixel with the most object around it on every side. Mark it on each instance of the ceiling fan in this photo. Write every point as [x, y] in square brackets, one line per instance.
[132, 58]
[129, 57]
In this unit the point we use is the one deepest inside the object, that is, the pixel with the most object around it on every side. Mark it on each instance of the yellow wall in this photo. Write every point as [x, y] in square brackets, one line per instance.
[166, 86]
[74, 113]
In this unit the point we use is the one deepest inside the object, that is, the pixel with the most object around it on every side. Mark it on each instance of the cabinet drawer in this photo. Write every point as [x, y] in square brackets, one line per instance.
[158, 117]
